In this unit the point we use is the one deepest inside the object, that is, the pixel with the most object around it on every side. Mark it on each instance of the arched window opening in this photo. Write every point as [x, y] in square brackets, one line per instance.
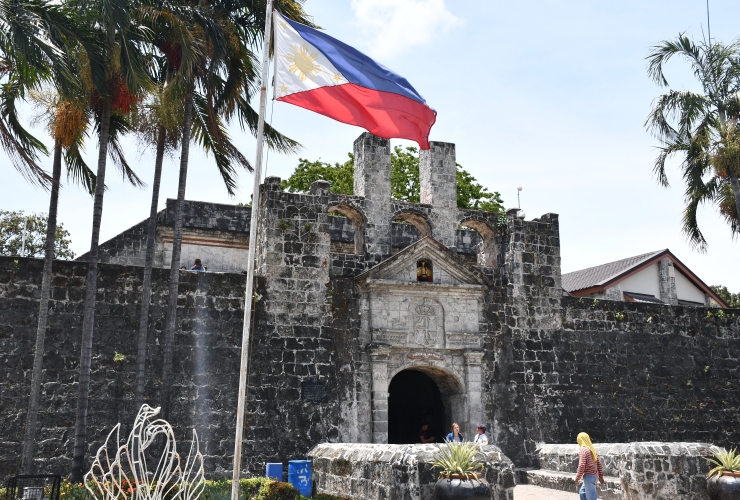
[424, 271]
[408, 228]
[347, 229]
[485, 250]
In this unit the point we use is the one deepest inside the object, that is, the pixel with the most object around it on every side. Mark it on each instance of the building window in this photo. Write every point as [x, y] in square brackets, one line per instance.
[424, 271]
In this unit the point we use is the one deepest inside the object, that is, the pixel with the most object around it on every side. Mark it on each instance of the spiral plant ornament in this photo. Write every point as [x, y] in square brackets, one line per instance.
[132, 471]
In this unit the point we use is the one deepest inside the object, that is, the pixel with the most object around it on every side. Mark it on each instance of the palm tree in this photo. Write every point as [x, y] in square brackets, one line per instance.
[67, 123]
[114, 86]
[701, 127]
[220, 86]
[34, 36]
[158, 122]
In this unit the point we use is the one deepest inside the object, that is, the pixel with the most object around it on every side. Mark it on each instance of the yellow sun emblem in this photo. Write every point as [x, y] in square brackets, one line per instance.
[303, 63]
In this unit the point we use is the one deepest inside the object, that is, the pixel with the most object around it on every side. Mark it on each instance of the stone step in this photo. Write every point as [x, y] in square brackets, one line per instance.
[564, 481]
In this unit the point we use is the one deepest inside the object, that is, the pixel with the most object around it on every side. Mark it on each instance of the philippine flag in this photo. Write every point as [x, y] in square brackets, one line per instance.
[322, 74]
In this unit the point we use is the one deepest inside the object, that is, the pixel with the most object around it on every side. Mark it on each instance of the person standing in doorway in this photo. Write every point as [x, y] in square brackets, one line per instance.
[198, 266]
[425, 434]
[589, 468]
[455, 436]
[480, 437]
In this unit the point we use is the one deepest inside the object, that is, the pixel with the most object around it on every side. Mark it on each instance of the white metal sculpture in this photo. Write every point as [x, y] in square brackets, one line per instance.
[126, 474]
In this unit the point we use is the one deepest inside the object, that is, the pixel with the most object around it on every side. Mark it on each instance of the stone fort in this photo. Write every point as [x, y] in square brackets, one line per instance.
[366, 325]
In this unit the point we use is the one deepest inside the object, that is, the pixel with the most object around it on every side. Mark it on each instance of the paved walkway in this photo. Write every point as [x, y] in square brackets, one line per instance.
[529, 492]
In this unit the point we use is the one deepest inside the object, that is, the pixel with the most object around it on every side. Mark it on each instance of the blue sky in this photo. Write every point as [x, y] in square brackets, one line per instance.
[549, 96]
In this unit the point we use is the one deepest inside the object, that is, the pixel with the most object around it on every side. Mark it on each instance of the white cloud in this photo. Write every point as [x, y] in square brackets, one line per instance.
[392, 26]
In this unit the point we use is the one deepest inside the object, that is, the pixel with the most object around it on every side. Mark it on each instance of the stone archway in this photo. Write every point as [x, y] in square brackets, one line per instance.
[487, 246]
[413, 400]
[358, 224]
[407, 227]
[456, 373]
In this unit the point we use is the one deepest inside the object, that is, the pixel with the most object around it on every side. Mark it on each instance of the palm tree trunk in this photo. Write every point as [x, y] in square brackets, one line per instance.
[169, 340]
[89, 307]
[736, 192]
[38, 355]
[148, 265]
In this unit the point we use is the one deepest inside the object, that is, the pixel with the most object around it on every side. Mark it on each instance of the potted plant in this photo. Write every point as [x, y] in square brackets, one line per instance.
[459, 477]
[724, 479]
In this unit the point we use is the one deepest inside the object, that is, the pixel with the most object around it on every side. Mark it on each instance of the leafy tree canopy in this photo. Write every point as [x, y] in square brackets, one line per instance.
[404, 180]
[11, 236]
[732, 299]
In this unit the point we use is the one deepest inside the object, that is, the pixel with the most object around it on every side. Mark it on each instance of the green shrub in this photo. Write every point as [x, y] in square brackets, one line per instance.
[73, 491]
[256, 488]
[272, 490]
[220, 489]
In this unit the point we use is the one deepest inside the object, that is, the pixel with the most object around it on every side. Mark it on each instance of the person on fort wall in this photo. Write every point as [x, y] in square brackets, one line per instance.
[481, 438]
[455, 436]
[589, 468]
[198, 266]
[425, 434]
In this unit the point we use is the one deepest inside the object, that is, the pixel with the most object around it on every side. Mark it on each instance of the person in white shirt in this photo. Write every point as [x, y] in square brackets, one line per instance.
[481, 437]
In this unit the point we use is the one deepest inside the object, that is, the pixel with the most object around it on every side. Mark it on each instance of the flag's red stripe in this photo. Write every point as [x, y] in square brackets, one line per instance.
[384, 114]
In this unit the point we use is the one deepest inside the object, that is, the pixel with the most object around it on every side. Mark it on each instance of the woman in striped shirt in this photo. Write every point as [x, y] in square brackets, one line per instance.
[589, 468]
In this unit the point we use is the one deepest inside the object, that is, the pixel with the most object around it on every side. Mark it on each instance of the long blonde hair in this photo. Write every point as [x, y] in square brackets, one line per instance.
[585, 441]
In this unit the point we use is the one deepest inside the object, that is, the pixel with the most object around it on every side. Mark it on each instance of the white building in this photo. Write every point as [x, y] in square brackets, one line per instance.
[657, 277]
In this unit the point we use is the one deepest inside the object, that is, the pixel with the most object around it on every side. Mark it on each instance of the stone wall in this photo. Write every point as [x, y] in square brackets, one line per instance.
[628, 371]
[646, 470]
[395, 472]
[206, 361]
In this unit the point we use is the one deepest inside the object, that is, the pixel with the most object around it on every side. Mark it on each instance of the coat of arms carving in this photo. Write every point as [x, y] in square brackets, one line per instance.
[427, 322]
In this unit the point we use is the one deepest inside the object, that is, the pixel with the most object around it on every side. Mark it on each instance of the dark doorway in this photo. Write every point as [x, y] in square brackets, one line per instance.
[414, 398]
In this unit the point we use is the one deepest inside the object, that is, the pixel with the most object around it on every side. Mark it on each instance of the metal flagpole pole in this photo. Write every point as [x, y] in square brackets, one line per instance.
[250, 263]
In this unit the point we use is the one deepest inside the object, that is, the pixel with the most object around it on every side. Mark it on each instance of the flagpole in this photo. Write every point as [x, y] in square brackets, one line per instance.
[250, 262]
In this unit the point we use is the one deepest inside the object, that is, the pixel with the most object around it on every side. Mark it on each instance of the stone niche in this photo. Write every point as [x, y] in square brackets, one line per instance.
[421, 311]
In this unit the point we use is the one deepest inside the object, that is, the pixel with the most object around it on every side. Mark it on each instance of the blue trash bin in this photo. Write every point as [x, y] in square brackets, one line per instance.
[274, 471]
[299, 475]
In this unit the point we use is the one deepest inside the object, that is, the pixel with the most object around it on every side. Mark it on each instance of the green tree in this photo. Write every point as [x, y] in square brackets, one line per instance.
[11, 236]
[404, 180]
[341, 176]
[701, 128]
[405, 174]
[731, 299]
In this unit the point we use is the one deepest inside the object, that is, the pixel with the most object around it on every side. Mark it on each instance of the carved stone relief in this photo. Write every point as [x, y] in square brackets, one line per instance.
[428, 323]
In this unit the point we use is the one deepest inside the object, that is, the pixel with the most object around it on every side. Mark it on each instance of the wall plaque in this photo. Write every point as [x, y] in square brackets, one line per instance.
[314, 392]
[386, 337]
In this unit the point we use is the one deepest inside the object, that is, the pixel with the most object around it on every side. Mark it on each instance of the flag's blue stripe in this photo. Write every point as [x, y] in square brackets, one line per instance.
[355, 66]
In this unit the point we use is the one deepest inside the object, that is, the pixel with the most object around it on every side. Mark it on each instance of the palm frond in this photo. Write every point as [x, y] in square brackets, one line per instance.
[208, 131]
[660, 54]
[118, 127]
[20, 145]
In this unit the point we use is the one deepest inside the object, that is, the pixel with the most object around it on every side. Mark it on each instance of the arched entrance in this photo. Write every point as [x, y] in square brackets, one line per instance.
[414, 398]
